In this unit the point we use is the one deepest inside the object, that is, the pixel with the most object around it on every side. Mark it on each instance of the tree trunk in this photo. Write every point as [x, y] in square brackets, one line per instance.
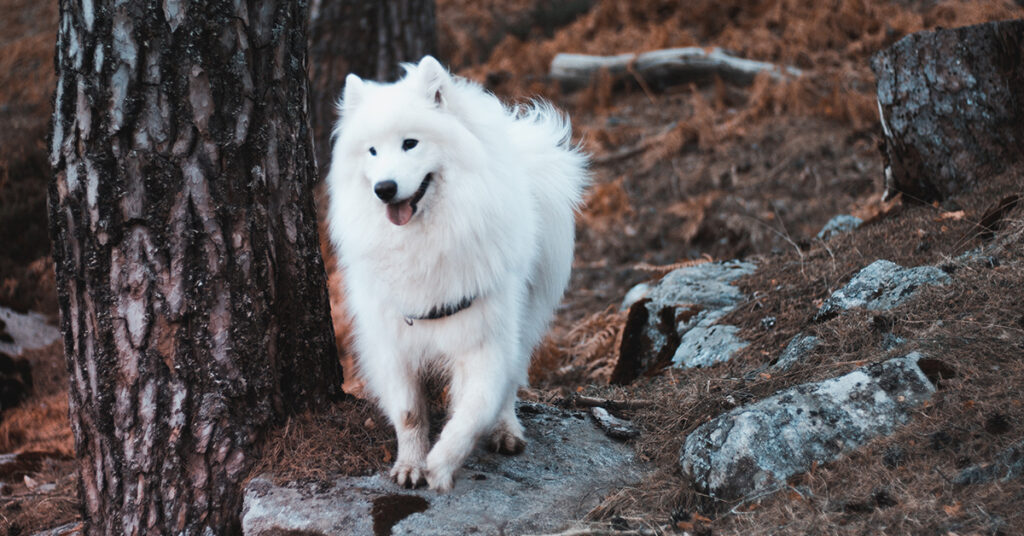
[951, 107]
[191, 288]
[366, 37]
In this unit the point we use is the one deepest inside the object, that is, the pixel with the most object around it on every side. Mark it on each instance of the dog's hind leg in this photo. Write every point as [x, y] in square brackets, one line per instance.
[479, 389]
[400, 393]
[507, 437]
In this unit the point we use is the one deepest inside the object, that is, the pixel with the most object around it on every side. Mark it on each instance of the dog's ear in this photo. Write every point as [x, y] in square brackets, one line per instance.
[353, 93]
[434, 79]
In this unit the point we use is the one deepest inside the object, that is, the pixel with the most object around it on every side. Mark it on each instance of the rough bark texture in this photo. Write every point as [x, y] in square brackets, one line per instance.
[366, 37]
[192, 292]
[951, 107]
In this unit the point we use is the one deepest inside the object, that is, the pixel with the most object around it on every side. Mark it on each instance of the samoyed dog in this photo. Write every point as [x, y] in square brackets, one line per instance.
[453, 217]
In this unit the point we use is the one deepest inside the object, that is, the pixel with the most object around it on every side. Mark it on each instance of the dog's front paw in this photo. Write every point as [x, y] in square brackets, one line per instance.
[440, 474]
[408, 474]
[440, 481]
[506, 442]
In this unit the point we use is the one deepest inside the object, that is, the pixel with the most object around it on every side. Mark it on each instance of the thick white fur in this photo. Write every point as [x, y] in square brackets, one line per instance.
[496, 225]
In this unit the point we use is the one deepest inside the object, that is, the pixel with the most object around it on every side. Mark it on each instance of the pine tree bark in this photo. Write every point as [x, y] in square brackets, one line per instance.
[191, 289]
[951, 108]
[366, 37]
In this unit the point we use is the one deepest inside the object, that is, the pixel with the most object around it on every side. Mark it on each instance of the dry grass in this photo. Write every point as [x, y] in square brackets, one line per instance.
[39, 430]
[347, 438]
[51, 499]
[27, 34]
[974, 325]
[40, 424]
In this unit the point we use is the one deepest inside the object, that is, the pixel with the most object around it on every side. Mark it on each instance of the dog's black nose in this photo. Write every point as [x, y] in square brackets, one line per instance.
[385, 190]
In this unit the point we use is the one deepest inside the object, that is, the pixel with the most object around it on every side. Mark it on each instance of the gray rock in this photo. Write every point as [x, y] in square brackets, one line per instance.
[838, 225]
[755, 448]
[706, 344]
[27, 331]
[635, 294]
[675, 321]
[798, 348]
[891, 342]
[708, 284]
[881, 285]
[1007, 465]
[568, 467]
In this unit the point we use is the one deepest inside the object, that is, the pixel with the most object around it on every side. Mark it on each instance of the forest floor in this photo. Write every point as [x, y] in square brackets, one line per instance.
[680, 173]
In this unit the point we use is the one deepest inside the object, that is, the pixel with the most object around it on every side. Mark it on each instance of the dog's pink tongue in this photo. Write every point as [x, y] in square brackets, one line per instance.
[400, 213]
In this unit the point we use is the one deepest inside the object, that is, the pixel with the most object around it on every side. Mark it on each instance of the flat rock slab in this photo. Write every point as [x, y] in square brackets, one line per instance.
[568, 467]
[674, 322]
[879, 286]
[755, 448]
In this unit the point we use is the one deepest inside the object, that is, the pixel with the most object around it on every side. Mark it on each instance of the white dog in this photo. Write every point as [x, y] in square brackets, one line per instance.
[453, 217]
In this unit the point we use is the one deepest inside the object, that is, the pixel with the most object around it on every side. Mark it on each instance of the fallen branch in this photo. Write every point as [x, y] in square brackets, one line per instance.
[667, 66]
[580, 401]
[613, 426]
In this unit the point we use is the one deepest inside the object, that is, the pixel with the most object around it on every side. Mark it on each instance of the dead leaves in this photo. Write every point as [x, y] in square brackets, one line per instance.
[954, 510]
[607, 206]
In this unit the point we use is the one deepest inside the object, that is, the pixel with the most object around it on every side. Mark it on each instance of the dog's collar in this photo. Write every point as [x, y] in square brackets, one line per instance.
[441, 311]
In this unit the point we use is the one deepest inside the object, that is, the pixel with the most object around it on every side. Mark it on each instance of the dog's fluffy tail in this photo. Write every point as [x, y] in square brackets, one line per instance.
[559, 167]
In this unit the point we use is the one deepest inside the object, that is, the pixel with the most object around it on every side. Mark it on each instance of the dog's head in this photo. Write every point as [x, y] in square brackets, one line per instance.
[395, 136]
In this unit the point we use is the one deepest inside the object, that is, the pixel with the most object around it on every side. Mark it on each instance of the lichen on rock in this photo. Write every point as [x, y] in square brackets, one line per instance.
[755, 448]
[674, 322]
[879, 286]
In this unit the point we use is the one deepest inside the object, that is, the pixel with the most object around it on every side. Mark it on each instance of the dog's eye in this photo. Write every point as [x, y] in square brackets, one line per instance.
[373, 152]
[409, 144]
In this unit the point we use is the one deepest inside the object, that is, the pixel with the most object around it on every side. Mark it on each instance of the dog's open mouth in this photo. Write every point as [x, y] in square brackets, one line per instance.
[401, 212]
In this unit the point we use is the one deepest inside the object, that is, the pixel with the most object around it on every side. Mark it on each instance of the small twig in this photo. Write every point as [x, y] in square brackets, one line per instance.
[634, 150]
[580, 401]
[600, 531]
[753, 498]
[621, 154]
[631, 69]
[943, 475]
[12, 498]
[666, 268]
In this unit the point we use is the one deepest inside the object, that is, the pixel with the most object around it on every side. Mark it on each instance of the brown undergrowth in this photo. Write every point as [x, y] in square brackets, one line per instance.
[39, 486]
[27, 33]
[901, 484]
[348, 438]
[684, 173]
